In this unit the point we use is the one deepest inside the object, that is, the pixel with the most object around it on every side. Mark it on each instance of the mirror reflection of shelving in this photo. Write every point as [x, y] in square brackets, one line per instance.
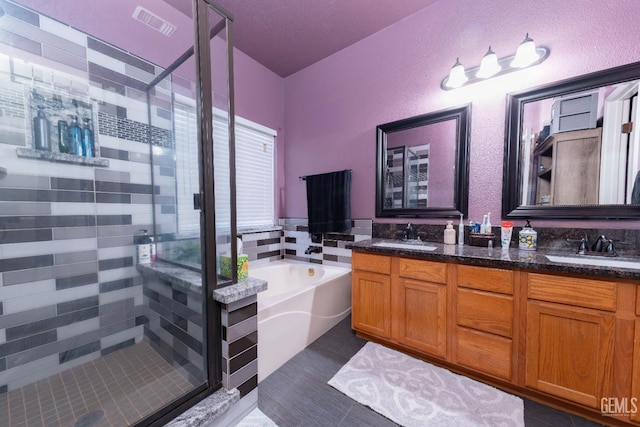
[406, 179]
[568, 168]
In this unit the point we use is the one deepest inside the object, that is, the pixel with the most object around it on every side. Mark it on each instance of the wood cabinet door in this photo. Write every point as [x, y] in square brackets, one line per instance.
[569, 351]
[635, 379]
[418, 312]
[371, 303]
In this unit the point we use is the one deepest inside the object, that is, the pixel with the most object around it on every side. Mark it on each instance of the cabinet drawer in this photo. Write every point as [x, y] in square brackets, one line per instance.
[373, 263]
[429, 271]
[638, 300]
[486, 279]
[598, 294]
[484, 352]
[484, 311]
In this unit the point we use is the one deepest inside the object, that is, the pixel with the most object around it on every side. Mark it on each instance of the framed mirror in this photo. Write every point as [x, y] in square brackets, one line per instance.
[572, 148]
[423, 165]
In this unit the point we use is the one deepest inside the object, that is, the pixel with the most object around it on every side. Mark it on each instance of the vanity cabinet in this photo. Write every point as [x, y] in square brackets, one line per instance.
[402, 300]
[419, 305]
[570, 337]
[635, 386]
[568, 340]
[484, 316]
[371, 294]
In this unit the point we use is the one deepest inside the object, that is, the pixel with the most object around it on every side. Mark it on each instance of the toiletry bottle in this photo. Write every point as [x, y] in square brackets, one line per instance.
[449, 234]
[487, 227]
[152, 247]
[76, 137]
[143, 248]
[461, 231]
[483, 225]
[64, 142]
[527, 238]
[87, 134]
[41, 133]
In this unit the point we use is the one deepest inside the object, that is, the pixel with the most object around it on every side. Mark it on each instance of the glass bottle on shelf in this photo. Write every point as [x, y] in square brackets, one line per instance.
[41, 132]
[76, 137]
[88, 139]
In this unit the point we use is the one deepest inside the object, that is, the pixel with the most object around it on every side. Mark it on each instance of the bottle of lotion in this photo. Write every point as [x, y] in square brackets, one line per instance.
[461, 231]
[449, 234]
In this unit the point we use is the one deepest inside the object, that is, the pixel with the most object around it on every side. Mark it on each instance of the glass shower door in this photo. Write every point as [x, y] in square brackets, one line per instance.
[99, 163]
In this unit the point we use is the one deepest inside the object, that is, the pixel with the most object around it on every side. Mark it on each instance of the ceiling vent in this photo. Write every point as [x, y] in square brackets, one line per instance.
[154, 21]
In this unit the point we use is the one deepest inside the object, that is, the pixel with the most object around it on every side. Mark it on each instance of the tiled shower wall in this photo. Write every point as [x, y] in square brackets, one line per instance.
[69, 289]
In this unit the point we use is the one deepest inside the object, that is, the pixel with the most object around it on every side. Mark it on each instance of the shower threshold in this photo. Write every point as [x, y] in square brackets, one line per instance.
[117, 389]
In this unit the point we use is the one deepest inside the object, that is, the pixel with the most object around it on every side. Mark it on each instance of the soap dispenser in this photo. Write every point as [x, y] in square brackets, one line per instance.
[527, 238]
[449, 234]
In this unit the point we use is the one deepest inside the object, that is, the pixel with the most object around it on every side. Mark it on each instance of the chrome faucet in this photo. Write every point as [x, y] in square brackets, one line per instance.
[313, 250]
[409, 233]
[602, 244]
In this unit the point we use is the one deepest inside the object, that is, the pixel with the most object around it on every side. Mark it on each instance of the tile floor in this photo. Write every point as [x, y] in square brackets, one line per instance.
[114, 390]
[297, 394]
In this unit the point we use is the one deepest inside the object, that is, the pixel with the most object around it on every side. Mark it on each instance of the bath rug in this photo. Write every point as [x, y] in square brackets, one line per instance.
[411, 392]
[256, 418]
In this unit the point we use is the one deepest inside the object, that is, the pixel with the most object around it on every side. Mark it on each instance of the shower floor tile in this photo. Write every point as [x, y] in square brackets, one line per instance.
[115, 390]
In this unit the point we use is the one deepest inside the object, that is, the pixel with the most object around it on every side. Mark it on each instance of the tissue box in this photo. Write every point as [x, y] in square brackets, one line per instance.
[243, 266]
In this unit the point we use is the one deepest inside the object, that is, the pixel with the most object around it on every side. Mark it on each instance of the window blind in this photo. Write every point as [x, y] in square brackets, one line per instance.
[255, 171]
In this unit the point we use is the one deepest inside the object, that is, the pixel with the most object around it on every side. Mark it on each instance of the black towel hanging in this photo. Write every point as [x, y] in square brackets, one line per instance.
[329, 202]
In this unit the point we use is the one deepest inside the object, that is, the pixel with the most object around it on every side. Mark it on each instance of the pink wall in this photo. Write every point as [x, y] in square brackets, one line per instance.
[333, 106]
[259, 97]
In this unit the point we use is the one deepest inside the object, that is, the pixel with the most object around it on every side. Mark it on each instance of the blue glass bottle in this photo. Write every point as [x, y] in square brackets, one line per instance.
[88, 139]
[76, 138]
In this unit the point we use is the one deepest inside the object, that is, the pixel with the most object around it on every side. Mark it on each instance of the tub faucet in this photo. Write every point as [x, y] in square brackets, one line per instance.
[313, 250]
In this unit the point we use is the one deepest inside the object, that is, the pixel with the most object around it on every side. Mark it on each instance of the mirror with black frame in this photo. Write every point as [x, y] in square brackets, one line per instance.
[422, 165]
[571, 149]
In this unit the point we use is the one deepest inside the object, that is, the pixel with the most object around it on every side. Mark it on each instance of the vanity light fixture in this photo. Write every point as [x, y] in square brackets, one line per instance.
[489, 65]
[457, 76]
[526, 55]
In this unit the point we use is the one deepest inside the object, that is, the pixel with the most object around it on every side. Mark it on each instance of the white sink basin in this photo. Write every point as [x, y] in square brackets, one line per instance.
[587, 260]
[410, 246]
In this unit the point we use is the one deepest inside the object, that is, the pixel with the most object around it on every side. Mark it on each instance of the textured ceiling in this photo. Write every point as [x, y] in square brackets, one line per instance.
[283, 35]
[288, 35]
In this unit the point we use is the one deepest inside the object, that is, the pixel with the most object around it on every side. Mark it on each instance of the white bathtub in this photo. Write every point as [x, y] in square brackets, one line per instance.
[303, 302]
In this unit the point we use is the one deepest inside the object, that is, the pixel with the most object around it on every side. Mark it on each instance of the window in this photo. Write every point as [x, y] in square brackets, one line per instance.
[254, 174]
[254, 169]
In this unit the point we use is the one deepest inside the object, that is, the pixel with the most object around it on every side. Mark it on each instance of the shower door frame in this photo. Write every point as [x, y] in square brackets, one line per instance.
[204, 103]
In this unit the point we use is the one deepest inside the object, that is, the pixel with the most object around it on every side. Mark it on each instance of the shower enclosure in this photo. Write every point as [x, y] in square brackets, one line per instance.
[108, 112]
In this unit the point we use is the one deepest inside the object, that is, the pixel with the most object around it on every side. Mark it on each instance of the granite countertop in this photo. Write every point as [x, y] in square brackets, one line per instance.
[497, 257]
[192, 281]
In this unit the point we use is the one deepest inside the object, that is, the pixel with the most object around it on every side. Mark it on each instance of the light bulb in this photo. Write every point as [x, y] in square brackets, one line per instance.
[457, 76]
[526, 54]
[489, 65]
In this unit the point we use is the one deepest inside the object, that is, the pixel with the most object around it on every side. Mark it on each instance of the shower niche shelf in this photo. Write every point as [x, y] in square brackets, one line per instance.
[52, 156]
